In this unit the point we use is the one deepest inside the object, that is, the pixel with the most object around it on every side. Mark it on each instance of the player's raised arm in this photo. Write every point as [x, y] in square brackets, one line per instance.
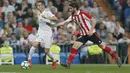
[53, 18]
[92, 19]
[49, 17]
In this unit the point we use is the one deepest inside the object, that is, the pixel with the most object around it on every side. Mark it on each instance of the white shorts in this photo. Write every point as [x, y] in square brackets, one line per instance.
[45, 40]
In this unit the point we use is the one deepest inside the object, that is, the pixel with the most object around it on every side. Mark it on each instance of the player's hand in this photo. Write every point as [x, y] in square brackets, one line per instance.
[43, 16]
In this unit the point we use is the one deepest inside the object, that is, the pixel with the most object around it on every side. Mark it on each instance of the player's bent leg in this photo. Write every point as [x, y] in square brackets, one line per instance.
[31, 52]
[74, 51]
[48, 53]
[77, 44]
[72, 55]
[109, 51]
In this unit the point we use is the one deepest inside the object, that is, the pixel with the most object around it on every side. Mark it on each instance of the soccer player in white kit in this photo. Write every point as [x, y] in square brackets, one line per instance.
[44, 34]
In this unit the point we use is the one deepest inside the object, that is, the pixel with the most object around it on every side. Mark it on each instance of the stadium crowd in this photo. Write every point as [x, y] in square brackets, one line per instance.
[18, 22]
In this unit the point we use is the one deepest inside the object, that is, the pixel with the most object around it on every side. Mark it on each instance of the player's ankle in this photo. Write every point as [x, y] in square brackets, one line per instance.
[29, 58]
[55, 61]
[68, 62]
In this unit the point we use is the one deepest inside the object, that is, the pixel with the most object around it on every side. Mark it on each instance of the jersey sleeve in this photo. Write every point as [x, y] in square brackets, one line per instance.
[49, 14]
[88, 16]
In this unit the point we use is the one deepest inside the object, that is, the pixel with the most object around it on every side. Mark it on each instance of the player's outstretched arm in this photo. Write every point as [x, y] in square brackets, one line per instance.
[65, 22]
[53, 18]
[62, 23]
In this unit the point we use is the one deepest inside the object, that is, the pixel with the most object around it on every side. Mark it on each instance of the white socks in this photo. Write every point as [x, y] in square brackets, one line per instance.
[50, 55]
[31, 52]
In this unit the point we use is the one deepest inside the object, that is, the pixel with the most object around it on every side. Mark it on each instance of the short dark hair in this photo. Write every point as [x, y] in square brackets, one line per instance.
[74, 5]
[40, 2]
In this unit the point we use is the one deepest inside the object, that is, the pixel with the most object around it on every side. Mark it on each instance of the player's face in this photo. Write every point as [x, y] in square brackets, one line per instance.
[71, 9]
[40, 6]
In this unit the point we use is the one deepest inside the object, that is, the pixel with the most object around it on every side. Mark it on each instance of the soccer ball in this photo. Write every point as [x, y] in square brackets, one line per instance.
[25, 65]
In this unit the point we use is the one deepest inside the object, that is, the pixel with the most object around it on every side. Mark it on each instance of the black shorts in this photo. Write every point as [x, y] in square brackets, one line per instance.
[95, 38]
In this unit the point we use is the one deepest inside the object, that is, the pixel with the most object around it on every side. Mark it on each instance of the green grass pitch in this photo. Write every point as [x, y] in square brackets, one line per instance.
[75, 68]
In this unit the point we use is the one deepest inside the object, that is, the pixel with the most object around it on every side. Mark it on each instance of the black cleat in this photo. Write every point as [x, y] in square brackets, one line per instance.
[118, 61]
[66, 65]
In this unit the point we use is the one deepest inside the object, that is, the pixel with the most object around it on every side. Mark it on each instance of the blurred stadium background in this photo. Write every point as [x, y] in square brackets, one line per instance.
[18, 27]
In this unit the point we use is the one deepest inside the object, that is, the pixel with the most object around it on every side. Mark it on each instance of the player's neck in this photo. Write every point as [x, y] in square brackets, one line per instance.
[42, 10]
[76, 12]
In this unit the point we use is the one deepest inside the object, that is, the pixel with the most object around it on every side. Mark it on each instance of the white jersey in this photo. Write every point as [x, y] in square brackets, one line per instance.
[44, 28]
[44, 35]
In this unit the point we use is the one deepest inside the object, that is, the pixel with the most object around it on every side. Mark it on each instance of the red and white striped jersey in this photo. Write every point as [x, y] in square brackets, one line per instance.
[83, 21]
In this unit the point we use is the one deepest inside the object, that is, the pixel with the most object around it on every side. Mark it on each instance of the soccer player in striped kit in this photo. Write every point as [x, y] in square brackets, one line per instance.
[86, 24]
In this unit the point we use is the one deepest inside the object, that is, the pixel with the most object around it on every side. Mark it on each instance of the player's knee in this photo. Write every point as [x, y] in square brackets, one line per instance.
[77, 45]
[46, 51]
[102, 45]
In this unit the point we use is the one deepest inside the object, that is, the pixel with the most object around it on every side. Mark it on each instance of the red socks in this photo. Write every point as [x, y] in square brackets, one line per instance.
[74, 52]
[72, 55]
[108, 50]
